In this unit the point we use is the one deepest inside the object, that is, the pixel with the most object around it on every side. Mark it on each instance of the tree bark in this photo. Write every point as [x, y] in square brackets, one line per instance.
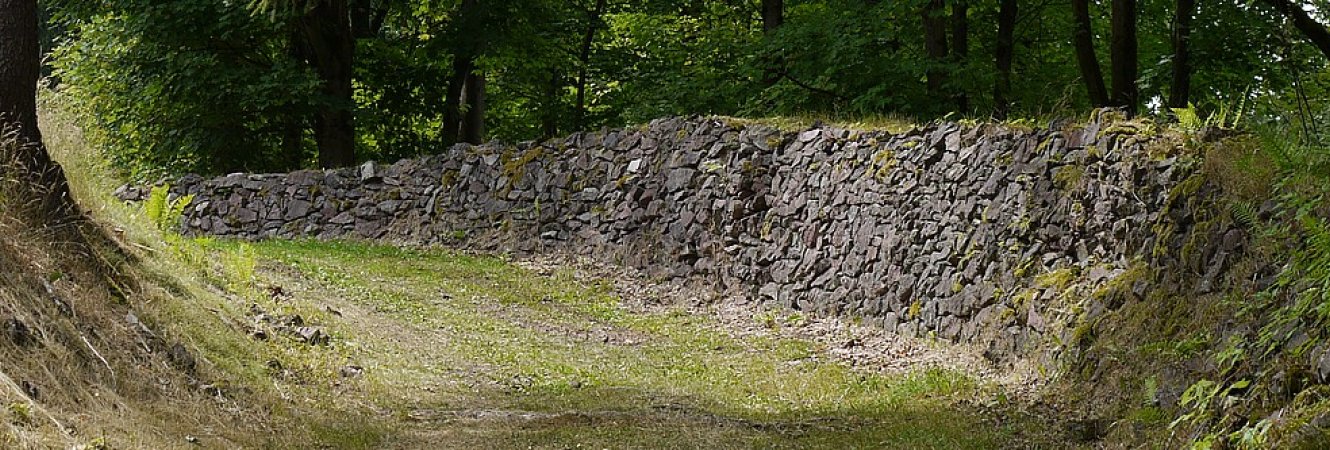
[1083, 41]
[773, 15]
[293, 144]
[326, 30]
[584, 60]
[1123, 54]
[960, 44]
[935, 43]
[464, 61]
[1005, 50]
[1179, 95]
[367, 18]
[1313, 30]
[473, 123]
[452, 104]
[25, 159]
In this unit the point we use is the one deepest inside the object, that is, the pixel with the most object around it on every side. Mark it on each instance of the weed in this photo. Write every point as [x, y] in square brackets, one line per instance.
[20, 413]
[163, 211]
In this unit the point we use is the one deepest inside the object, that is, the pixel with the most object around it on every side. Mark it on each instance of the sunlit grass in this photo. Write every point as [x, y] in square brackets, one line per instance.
[485, 313]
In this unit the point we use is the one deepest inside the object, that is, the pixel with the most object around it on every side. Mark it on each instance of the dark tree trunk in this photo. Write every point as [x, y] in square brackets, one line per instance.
[1005, 50]
[452, 104]
[960, 44]
[326, 29]
[584, 59]
[367, 18]
[293, 144]
[26, 160]
[773, 15]
[1123, 54]
[473, 123]
[1179, 96]
[464, 62]
[1083, 41]
[20, 66]
[1304, 22]
[935, 43]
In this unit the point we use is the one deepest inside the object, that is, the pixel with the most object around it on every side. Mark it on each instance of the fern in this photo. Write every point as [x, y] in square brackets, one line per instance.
[1188, 120]
[164, 212]
[1244, 214]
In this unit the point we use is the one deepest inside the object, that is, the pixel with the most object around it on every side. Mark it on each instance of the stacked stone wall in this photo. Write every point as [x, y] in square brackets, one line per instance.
[959, 232]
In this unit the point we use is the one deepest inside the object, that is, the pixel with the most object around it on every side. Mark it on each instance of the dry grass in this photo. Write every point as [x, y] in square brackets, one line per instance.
[96, 370]
[894, 124]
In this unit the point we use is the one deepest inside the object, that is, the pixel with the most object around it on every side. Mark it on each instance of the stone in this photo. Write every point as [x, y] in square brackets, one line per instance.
[799, 219]
[181, 358]
[18, 333]
[297, 209]
[312, 335]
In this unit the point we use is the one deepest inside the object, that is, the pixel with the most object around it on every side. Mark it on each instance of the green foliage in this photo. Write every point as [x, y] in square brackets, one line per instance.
[1201, 399]
[1189, 120]
[217, 86]
[174, 86]
[163, 211]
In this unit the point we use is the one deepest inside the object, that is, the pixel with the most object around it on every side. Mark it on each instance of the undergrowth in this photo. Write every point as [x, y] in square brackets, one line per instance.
[1259, 386]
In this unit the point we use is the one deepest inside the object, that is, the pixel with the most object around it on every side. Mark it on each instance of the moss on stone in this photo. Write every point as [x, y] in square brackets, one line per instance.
[884, 160]
[1068, 177]
[1057, 280]
[514, 165]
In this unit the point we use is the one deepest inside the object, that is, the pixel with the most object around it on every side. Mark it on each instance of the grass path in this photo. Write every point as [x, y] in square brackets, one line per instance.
[435, 349]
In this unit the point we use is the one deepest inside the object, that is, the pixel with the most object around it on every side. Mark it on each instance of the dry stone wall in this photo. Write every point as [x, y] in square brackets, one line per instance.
[962, 232]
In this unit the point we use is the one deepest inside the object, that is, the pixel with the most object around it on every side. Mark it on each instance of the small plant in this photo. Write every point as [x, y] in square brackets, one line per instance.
[165, 212]
[21, 412]
[95, 444]
[1227, 118]
[1200, 398]
[795, 320]
[239, 266]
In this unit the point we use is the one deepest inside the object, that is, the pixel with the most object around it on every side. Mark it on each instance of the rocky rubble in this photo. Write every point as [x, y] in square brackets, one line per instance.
[938, 231]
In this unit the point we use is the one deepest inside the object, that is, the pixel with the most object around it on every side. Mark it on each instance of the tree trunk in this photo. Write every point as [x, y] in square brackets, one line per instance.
[464, 61]
[473, 123]
[1083, 41]
[326, 29]
[960, 44]
[773, 15]
[1179, 95]
[935, 43]
[367, 18]
[293, 144]
[452, 104]
[26, 160]
[1304, 22]
[1123, 54]
[584, 59]
[1005, 50]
